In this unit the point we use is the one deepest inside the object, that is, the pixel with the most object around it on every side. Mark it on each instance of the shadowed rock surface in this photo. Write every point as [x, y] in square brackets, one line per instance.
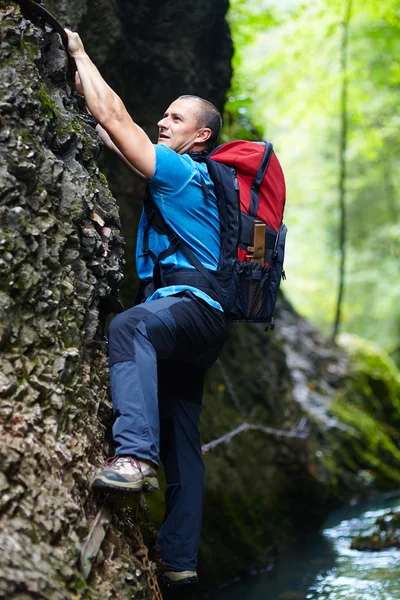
[62, 258]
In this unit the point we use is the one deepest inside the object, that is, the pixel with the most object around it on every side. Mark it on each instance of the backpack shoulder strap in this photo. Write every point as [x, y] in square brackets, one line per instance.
[255, 186]
[176, 243]
[226, 188]
[154, 219]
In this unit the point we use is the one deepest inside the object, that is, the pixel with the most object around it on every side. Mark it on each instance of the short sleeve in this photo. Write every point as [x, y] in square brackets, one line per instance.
[172, 171]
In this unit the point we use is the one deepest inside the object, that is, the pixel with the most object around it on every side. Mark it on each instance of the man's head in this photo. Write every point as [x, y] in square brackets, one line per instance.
[190, 124]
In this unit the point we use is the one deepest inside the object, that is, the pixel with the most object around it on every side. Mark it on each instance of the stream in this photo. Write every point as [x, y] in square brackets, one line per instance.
[325, 568]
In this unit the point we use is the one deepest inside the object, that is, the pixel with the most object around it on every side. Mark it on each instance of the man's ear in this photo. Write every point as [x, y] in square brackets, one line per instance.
[204, 135]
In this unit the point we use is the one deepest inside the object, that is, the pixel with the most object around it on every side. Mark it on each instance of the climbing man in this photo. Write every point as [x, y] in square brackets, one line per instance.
[161, 348]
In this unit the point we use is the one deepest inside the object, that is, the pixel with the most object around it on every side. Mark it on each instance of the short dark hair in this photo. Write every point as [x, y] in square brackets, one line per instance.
[207, 116]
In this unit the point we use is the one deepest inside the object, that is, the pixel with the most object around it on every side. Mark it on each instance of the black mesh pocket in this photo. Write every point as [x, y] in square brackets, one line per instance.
[248, 293]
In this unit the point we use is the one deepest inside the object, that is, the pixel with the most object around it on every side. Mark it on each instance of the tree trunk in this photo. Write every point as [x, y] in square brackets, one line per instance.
[343, 165]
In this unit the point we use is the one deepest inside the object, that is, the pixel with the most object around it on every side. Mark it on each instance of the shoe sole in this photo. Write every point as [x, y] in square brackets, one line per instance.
[178, 590]
[170, 583]
[150, 484]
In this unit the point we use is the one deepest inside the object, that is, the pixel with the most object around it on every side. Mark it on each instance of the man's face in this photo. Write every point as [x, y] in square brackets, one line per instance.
[178, 129]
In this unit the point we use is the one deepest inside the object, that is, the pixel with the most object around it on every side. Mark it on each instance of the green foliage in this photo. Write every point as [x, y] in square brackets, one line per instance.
[287, 84]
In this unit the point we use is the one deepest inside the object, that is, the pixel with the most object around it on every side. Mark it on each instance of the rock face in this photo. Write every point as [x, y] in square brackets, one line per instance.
[61, 257]
[61, 263]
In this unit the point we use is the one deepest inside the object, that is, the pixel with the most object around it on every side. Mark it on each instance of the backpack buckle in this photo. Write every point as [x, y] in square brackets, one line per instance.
[271, 324]
[173, 239]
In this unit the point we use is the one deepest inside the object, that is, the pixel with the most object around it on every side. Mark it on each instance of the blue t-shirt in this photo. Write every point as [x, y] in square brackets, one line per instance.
[177, 191]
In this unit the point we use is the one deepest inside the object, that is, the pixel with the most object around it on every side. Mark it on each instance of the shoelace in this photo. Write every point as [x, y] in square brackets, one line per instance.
[113, 460]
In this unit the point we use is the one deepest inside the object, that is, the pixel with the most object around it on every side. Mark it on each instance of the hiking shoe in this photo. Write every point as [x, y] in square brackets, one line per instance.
[126, 474]
[177, 578]
[178, 585]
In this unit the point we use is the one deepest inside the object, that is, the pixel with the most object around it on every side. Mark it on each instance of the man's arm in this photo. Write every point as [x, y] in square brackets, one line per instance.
[109, 110]
[110, 144]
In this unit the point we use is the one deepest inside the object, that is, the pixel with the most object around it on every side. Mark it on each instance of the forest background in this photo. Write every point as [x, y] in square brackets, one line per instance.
[321, 81]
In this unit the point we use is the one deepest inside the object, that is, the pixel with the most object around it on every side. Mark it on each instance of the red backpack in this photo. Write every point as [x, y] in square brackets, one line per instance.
[250, 190]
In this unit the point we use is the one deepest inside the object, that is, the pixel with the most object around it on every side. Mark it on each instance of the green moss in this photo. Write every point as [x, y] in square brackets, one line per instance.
[7, 60]
[76, 125]
[61, 131]
[369, 408]
[29, 49]
[48, 106]
[36, 536]
[80, 584]
[24, 135]
[86, 155]
[103, 178]
[8, 238]
[375, 375]
[369, 444]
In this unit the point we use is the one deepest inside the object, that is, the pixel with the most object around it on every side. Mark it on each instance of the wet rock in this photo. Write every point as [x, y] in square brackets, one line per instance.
[385, 534]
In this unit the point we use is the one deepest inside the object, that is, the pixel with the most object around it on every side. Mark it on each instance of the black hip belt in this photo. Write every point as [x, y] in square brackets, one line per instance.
[187, 277]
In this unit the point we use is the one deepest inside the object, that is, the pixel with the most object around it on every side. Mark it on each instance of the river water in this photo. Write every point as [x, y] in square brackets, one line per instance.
[325, 568]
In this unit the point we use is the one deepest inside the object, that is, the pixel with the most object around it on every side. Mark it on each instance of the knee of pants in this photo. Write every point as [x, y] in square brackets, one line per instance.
[122, 330]
[123, 321]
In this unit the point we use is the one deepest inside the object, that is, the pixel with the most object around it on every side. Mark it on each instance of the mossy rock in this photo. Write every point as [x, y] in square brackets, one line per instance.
[375, 376]
[368, 410]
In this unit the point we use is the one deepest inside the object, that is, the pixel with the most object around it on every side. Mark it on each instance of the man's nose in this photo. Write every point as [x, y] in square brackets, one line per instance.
[163, 122]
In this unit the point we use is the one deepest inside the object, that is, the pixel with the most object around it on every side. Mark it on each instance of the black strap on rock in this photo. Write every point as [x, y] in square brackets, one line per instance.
[36, 7]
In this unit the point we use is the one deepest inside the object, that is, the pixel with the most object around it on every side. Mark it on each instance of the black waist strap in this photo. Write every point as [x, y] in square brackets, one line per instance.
[189, 277]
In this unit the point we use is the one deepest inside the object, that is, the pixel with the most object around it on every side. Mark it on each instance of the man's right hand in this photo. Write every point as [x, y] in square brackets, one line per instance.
[75, 44]
[107, 108]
